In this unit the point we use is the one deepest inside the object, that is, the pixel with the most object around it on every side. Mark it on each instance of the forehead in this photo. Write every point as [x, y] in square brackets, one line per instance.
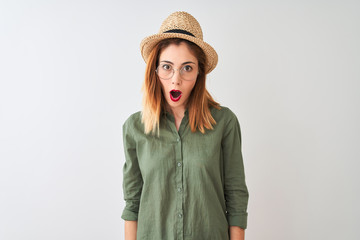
[177, 54]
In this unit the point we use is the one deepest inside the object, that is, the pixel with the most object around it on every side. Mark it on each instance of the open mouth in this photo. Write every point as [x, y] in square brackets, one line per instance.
[175, 95]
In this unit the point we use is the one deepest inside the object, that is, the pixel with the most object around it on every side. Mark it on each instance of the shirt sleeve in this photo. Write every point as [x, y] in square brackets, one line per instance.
[235, 189]
[132, 179]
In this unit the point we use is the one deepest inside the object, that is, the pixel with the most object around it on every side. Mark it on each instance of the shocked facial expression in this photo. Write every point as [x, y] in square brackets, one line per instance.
[177, 71]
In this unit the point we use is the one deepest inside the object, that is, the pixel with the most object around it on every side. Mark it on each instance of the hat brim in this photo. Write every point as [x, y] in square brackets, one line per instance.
[148, 43]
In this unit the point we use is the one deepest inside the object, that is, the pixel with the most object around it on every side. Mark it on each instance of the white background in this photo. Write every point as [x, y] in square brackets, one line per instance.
[71, 73]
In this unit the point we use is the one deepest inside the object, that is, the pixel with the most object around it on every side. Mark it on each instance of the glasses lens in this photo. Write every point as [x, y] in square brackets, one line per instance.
[165, 71]
[188, 73]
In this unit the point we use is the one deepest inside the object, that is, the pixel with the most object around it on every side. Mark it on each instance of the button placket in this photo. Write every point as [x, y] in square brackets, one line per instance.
[179, 186]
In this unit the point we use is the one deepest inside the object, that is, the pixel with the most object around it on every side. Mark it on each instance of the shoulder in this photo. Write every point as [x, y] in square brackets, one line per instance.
[224, 114]
[226, 120]
[133, 121]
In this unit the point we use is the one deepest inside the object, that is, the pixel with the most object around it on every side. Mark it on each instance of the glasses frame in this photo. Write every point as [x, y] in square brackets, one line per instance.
[173, 72]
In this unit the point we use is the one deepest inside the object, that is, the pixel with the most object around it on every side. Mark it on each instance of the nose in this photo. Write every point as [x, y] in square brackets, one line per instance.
[176, 77]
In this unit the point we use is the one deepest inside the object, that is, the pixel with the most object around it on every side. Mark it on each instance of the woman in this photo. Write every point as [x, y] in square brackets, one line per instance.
[183, 175]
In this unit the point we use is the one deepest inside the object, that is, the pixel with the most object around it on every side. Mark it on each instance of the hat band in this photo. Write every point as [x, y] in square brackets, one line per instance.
[179, 31]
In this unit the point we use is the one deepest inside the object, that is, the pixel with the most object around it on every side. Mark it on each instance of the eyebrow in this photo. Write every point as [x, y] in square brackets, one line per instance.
[181, 64]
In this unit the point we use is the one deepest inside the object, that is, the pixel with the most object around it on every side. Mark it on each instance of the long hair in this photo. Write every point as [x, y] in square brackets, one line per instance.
[154, 102]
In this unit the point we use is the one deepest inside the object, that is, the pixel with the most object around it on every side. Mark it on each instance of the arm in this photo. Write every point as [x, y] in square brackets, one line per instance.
[237, 233]
[132, 183]
[235, 189]
[130, 230]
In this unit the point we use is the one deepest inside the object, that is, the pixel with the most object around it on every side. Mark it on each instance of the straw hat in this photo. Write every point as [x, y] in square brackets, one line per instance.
[180, 25]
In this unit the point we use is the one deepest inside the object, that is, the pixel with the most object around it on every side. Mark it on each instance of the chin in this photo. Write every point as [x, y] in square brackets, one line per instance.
[175, 104]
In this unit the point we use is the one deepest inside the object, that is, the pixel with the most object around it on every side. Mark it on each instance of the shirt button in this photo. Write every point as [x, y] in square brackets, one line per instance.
[178, 139]
[179, 164]
[179, 189]
[180, 215]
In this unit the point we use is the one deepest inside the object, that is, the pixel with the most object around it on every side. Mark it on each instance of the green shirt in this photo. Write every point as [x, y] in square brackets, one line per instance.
[184, 185]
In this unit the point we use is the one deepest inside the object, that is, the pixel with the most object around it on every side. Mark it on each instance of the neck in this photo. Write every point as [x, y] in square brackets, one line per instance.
[178, 112]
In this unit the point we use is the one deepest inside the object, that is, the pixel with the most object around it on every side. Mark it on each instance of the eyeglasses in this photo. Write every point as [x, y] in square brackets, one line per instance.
[166, 71]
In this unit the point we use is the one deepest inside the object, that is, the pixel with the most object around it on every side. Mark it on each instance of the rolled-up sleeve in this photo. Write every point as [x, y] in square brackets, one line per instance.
[235, 189]
[132, 179]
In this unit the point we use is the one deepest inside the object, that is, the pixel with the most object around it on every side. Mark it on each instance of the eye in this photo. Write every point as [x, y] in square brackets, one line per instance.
[166, 67]
[187, 68]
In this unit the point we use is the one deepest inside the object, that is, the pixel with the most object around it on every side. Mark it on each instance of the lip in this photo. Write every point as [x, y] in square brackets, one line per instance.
[173, 98]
